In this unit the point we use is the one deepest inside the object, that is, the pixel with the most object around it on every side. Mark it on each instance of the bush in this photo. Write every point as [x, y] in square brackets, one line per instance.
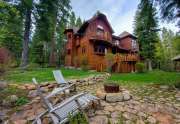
[21, 101]
[140, 67]
[84, 63]
[109, 58]
[78, 119]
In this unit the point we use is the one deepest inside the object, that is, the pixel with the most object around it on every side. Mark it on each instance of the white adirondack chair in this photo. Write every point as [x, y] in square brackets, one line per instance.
[60, 112]
[61, 81]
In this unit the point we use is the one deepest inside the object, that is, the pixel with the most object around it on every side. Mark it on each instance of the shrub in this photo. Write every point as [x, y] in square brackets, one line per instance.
[140, 67]
[84, 63]
[78, 119]
[109, 58]
[21, 101]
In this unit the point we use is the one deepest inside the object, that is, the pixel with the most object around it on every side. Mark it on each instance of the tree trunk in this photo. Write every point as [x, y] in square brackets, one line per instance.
[24, 60]
[52, 57]
[149, 63]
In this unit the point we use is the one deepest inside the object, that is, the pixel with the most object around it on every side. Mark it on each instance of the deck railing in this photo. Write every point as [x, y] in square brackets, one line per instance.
[104, 36]
[125, 57]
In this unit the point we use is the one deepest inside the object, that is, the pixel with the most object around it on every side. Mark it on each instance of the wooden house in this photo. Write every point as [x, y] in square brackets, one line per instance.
[94, 39]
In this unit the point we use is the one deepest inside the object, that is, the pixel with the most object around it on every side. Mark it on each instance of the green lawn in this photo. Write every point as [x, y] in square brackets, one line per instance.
[42, 74]
[154, 77]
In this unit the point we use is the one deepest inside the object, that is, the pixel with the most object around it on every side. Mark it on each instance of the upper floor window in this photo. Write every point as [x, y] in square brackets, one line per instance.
[134, 44]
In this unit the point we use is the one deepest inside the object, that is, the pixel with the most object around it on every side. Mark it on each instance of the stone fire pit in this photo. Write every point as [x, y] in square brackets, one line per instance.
[112, 93]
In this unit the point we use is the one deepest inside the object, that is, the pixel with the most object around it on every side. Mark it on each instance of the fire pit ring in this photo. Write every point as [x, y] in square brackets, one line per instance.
[111, 88]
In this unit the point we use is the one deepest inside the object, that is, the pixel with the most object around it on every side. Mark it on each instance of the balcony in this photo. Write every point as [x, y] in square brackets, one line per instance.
[106, 36]
[126, 57]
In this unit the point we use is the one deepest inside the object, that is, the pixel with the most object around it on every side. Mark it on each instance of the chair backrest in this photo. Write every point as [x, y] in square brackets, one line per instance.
[46, 101]
[59, 77]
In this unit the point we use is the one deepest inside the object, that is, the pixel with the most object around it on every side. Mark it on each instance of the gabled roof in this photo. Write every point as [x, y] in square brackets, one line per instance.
[126, 34]
[96, 16]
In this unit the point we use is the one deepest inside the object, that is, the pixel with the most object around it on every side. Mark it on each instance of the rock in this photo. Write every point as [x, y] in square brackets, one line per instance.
[126, 96]
[164, 87]
[13, 98]
[115, 115]
[20, 122]
[30, 86]
[100, 94]
[98, 120]
[151, 120]
[102, 112]
[163, 118]
[114, 97]
[142, 115]
[3, 85]
[129, 116]
[140, 122]
[109, 108]
[32, 93]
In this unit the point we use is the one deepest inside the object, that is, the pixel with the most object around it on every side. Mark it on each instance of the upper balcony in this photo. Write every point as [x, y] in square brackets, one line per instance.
[106, 36]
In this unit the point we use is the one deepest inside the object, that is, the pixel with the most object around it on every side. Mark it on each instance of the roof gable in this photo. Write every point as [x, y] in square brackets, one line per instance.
[98, 15]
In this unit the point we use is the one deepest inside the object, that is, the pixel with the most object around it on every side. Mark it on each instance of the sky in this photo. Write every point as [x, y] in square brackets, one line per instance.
[120, 13]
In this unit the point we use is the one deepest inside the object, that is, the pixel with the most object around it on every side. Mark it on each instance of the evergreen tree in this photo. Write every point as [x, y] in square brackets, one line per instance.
[78, 22]
[46, 33]
[72, 22]
[170, 10]
[10, 28]
[146, 24]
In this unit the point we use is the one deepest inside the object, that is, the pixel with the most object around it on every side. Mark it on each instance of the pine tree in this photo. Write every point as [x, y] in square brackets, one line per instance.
[78, 22]
[145, 27]
[11, 27]
[72, 22]
[170, 10]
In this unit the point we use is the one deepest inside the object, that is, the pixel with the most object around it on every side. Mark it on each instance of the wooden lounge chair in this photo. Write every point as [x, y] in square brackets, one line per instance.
[60, 112]
[61, 81]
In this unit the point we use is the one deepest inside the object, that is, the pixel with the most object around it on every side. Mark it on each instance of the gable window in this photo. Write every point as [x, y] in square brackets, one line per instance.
[100, 30]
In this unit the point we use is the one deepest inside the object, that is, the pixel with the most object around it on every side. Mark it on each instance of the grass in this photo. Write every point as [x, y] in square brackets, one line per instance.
[42, 74]
[154, 77]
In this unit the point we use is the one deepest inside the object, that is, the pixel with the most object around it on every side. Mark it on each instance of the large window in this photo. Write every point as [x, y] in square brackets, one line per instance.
[100, 49]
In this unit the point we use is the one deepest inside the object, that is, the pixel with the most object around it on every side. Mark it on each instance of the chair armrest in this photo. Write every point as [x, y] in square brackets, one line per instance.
[38, 118]
[58, 90]
[68, 101]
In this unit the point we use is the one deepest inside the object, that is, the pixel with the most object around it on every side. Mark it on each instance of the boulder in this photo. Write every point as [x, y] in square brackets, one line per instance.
[99, 120]
[151, 120]
[3, 85]
[100, 94]
[32, 93]
[114, 97]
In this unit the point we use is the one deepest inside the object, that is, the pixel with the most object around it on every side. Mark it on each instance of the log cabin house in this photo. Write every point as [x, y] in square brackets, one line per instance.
[94, 39]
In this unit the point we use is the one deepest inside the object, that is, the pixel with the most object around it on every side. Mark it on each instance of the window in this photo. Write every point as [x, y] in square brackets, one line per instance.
[100, 30]
[68, 51]
[99, 49]
[83, 50]
[134, 45]
[69, 36]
